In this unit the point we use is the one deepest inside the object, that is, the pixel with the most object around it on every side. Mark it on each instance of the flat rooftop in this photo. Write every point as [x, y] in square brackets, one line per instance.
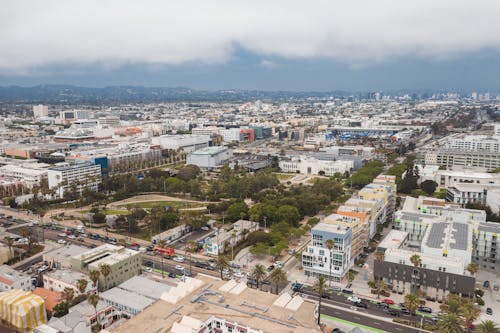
[393, 240]
[251, 308]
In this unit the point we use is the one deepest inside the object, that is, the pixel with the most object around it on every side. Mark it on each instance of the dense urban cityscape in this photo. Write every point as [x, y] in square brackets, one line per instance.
[249, 166]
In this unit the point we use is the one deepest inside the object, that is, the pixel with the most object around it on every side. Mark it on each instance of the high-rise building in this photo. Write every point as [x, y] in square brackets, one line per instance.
[40, 111]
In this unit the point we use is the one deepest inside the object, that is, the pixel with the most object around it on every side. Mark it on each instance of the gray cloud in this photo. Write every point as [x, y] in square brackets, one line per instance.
[107, 33]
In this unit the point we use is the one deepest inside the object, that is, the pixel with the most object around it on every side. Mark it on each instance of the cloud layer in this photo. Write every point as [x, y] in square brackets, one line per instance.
[37, 34]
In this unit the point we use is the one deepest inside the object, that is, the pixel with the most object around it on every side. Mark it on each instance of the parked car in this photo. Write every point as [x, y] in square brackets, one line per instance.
[489, 311]
[425, 309]
[347, 291]
[205, 228]
[270, 268]
[354, 299]
[405, 311]
[61, 241]
[382, 305]
[336, 289]
[486, 284]
[148, 269]
[172, 275]
[179, 268]
[388, 301]
[148, 263]
[279, 263]
[297, 286]
[361, 305]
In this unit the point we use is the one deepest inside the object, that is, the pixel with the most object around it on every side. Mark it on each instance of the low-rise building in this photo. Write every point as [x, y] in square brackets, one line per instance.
[124, 263]
[11, 279]
[209, 157]
[83, 316]
[60, 257]
[186, 142]
[58, 280]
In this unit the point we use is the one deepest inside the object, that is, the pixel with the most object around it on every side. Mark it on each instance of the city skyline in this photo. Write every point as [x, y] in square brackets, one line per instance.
[252, 45]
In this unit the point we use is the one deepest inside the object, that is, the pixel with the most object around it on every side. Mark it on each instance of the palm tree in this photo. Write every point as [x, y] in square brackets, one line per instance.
[278, 277]
[221, 264]
[350, 277]
[487, 326]
[411, 302]
[379, 256]
[94, 276]
[10, 242]
[162, 243]
[472, 268]
[81, 284]
[378, 284]
[191, 247]
[259, 273]
[329, 245]
[94, 300]
[470, 313]
[68, 294]
[449, 323]
[319, 288]
[105, 271]
[416, 260]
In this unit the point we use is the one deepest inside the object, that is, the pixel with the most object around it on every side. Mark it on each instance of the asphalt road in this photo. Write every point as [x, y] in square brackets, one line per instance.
[361, 319]
[339, 299]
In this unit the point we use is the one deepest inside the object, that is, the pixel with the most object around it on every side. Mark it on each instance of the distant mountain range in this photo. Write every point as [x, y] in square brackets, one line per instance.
[125, 94]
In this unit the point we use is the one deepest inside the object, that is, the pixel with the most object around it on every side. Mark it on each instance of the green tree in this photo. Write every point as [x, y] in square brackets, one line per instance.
[278, 277]
[377, 284]
[94, 277]
[429, 186]
[188, 172]
[487, 326]
[470, 312]
[449, 323]
[329, 245]
[411, 302]
[236, 211]
[10, 242]
[99, 218]
[94, 301]
[472, 268]
[350, 277]
[68, 294]
[60, 309]
[81, 284]
[319, 288]
[221, 264]
[289, 214]
[105, 271]
[259, 273]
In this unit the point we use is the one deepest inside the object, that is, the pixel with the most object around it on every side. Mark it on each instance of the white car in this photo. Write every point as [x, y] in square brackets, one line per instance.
[61, 241]
[148, 269]
[179, 259]
[279, 264]
[71, 236]
[239, 275]
[354, 299]
[179, 267]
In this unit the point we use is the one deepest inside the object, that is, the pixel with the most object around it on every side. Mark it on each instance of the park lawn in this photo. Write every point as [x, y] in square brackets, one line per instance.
[173, 204]
[282, 176]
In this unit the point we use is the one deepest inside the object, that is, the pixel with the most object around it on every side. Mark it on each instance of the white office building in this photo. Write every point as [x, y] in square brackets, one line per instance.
[40, 111]
[209, 157]
[313, 166]
[84, 175]
[187, 142]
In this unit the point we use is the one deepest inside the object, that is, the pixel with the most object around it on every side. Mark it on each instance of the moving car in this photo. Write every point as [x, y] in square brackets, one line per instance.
[172, 275]
[354, 299]
[393, 312]
[179, 259]
[148, 269]
[388, 301]
[179, 268]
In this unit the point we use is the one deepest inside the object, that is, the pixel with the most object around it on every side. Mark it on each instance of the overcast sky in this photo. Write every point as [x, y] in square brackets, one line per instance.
[288, 45]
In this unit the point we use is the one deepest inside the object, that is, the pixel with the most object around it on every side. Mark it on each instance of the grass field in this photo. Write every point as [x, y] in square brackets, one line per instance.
[283, 176]
[173, 204]
[110, 212]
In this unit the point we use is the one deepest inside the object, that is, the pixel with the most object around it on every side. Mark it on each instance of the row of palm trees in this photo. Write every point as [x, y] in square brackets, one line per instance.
[459, 314]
